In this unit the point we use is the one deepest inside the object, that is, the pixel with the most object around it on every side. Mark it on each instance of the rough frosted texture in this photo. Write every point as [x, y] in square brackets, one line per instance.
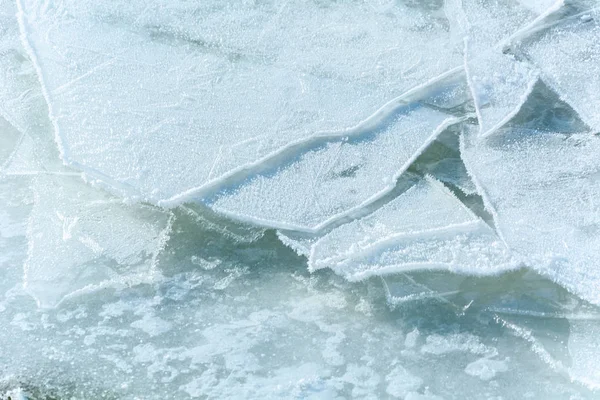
[568, 54]
[542, 189]
[81, 239]
[221, 86]
[425, 227]
[330, 182]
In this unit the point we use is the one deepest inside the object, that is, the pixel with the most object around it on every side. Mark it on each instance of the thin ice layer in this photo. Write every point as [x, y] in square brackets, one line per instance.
[568, 54]
[499, 83]
[80, 239]
[543, 191]
[425, 227]
[161, 99]
[333, 181]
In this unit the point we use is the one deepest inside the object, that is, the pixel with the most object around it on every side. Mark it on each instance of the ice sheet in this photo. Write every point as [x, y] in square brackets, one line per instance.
[542, 189]
[425, 227]
[204, 92]
[81, 239]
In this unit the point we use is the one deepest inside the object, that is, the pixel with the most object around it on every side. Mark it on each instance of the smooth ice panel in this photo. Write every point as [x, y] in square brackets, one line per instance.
[80, 239]
[543, 190]
[161, 100]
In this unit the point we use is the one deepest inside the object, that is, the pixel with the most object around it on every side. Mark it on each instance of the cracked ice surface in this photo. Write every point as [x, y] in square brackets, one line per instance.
[264, 77]
[382, 199]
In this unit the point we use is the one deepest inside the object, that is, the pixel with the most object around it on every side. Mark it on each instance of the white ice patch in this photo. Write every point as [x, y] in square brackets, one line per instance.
[80, 239]
[584, 347]
[543, 190]
[425, 227]
[486, 368]
[164, 100]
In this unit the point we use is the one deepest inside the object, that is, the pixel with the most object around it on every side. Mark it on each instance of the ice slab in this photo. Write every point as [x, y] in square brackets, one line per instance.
[542, 189]
[81, 239]
[499, 83]
[205, 91]
[568, 55]
[337, 179]
[425, 227]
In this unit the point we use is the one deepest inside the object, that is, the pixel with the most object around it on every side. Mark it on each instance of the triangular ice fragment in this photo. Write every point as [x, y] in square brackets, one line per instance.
[500, 85]
[425, 227]
[568, 55]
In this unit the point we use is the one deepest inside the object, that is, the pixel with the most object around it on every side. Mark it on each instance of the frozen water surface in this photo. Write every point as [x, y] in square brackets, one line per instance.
[299, 199]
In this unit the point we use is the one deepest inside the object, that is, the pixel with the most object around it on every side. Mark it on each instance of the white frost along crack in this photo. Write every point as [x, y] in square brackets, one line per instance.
[330, 183]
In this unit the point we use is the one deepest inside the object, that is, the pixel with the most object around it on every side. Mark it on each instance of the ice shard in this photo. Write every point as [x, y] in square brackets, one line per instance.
[424, 228]
[333, 181]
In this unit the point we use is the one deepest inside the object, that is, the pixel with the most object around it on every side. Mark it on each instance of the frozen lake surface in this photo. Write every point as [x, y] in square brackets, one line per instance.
[300, 199]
